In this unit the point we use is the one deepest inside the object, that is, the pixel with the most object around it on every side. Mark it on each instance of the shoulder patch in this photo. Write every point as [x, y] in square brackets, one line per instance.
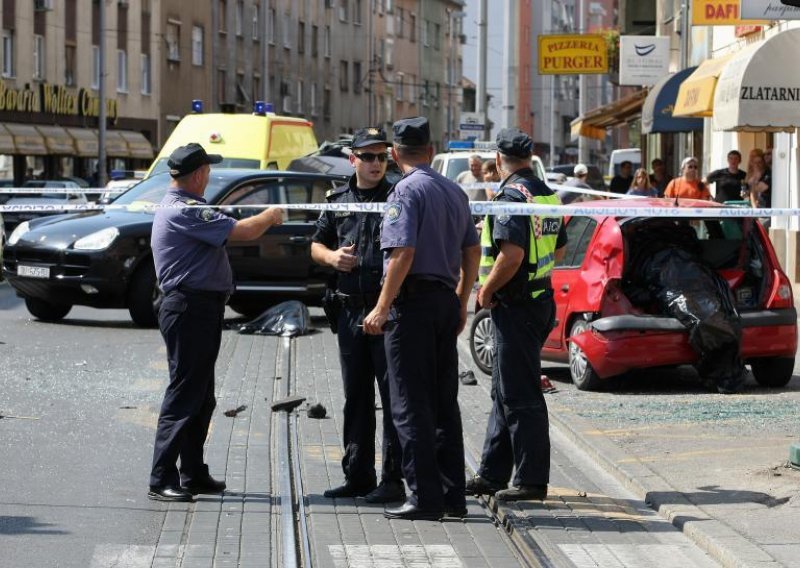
[206, 214]
[393, 213]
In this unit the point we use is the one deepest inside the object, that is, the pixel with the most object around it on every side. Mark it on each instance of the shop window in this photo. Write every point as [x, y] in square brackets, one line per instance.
[197, 46]
[122, 71]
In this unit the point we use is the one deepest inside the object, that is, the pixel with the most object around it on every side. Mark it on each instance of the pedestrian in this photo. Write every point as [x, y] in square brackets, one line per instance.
[621, 182]
[349, 242]
[489, 175]
[518, 256]
[728, 181]
[580, 173]
[475, 172]
[759, 182]
[659, 178]
[431, 254]
[195, 277]
[688, 185]
[641, 185]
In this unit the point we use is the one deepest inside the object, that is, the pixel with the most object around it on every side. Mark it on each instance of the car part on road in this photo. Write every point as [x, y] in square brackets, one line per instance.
[581, 371]
[481, 340]
[46, 311]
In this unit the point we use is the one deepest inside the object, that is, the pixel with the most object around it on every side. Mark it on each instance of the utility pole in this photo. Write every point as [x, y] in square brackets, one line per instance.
[101, 119]
[583, 148]
[480, 102]
[684, 59]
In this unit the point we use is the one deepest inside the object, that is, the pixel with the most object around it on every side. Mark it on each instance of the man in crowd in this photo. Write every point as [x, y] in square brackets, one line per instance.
[728, 180]
[621, 182]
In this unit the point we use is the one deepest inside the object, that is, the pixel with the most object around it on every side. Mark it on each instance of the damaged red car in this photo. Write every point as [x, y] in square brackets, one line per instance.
[639, 292]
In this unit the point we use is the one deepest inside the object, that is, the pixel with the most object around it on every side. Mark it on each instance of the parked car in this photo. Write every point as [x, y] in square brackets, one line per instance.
[103, 259]
[555, 178]
[603, 330]
[14, 218]
[594, 179]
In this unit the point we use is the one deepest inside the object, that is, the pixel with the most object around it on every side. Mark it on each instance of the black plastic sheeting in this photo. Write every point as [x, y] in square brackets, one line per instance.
[286, 319]
[666, 271]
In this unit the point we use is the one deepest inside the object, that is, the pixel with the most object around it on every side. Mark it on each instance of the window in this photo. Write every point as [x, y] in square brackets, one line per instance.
[357, 12]
[326, 104]
[299, 97]
[256, 88]
[426, 33]
[255, 22]
[222, 83]
[388, 54]
[197, 46]
[425, 93]
[69, 65]
[122, 71]
[412, 27]
[241, 95]
[437, 31]
[95, 67]
[223, 17]
[144, 61]
[8, 53]
[327, 41]
[173, 41]
[356, 76]
[38, 57]
[287, 42]
[343, 10]
[239, 18]
[412, 90]
[313, 99]
[344, 75]
[301, 37]
[579, 234]
[398, 88]
[399, 24]
[314, 41]
[389, 6]
[271, 27]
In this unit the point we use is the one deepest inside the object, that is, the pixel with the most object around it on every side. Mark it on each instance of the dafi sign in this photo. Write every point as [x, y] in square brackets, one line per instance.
[643, 60]
[572, 54]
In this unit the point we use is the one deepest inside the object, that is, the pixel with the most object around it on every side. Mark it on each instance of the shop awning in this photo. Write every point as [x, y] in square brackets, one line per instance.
[85, 142]
[27, 140]
[593, 124]
[116, 147]
[6, 142]
[138, 145]
[696, 94]
[759, 89]
[57, 140]
[660, 103]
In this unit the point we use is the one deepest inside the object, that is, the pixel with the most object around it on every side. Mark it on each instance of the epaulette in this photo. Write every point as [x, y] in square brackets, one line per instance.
[191, 202]
[331, 193]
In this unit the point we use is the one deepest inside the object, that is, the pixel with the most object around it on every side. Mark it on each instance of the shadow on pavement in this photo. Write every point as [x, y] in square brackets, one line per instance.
[26, 525]
[715, 495]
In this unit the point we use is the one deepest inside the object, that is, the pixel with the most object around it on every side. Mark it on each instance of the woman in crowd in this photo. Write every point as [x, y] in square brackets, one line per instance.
[759, 181]
[641, 185]
[490, 175]
[688, 185]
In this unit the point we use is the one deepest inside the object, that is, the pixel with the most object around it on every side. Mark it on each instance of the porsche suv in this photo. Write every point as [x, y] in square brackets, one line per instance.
[102, 259]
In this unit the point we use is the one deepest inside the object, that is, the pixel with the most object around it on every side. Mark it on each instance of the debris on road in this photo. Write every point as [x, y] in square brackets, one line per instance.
[467, 378]
[317, 411]
[234, 411]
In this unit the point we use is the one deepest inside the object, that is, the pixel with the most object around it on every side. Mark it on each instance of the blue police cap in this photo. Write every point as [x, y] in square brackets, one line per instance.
[186, 159]
[368, 137]
[514, 142]
[412, 132]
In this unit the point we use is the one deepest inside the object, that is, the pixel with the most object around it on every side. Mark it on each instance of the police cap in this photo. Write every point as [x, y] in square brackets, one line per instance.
[186, 159]
[412, 132]
[514, 142]
[369, 136]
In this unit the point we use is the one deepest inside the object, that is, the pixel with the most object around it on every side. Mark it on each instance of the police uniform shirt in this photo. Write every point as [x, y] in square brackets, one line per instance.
[428, 212]
[337, 229]
[514, 228]
[188, 245]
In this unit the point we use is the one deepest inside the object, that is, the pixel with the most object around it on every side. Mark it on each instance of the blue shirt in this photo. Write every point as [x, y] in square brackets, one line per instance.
[188, 245]
[429, 213]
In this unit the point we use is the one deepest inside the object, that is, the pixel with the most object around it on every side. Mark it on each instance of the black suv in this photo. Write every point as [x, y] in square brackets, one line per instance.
[103, 259]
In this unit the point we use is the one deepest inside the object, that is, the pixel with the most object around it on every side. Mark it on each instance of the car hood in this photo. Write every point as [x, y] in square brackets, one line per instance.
[63, 230]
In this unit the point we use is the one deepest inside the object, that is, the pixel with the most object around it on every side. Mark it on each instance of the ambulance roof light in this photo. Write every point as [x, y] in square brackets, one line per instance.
[197, 106]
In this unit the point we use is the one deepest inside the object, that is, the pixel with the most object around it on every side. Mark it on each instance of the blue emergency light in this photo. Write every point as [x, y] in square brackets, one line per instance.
[261, 108]
[197, 106]
[460, 145]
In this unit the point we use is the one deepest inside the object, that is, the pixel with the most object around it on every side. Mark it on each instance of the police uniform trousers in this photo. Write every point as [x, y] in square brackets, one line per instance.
[191, 325]
[363, 361]
[517, 433]
[423, 386]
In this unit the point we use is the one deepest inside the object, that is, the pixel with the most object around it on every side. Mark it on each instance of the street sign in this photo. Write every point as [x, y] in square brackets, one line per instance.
[471, 122]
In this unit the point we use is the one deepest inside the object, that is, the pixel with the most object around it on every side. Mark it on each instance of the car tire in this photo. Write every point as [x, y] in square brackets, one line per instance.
[481, 341]
[772, 372]
[581, 371]
[144, 296]
[46, 311]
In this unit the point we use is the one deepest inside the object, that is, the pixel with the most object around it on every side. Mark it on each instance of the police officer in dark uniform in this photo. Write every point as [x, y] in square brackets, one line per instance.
[431, 255]
[518, 254]
[350, 243]
[194, 274]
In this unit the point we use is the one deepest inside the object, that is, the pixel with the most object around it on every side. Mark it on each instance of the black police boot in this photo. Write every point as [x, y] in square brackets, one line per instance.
[523, 493]
[348, 490]
[387, 492]
[481, 486]
[207, 485]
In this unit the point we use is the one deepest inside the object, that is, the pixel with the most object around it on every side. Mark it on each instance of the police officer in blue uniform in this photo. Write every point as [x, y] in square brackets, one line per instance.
[431, 255]
[518, 254]
[194, 274]
[350, 243]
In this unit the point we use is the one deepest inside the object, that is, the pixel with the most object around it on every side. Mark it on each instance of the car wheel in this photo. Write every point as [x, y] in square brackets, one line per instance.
[773, 372]
[581, 371]
[144, 296]
[481, 341]
[46, 311]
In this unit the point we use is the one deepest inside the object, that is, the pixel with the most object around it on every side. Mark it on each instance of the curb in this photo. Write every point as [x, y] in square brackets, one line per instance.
[720, 541]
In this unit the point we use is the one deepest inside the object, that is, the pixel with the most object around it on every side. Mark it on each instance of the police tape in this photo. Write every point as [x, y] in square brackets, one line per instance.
[478, 208]
[482, 186]
[59, 190]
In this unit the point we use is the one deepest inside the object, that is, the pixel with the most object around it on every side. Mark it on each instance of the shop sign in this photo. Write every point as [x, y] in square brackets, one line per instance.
[643, 60]
[44, 98]
[573, 54]
[769, 10]
[718, 13]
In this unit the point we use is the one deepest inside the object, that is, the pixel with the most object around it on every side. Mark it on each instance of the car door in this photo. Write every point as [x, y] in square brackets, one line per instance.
[280, 260]
[565, 274]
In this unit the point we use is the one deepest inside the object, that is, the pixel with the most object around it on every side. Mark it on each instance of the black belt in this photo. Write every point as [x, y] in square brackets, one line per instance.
[211, 294]
[358, 301]
[419, 285]
[540, 284]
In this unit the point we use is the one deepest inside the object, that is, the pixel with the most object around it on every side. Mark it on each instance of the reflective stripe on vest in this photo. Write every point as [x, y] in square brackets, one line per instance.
[541, 247]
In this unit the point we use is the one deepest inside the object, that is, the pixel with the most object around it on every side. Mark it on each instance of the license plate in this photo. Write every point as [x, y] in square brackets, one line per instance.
[33, 271]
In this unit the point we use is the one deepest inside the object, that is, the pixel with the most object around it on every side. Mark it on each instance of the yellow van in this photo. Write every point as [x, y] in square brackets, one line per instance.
[260, 140]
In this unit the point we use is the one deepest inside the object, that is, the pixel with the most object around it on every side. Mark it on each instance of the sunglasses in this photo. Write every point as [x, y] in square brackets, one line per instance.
[370, 157]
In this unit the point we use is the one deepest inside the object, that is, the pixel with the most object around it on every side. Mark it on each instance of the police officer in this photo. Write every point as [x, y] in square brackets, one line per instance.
[350, 243]
[194, 274]
[431, 255]
[518, 255]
